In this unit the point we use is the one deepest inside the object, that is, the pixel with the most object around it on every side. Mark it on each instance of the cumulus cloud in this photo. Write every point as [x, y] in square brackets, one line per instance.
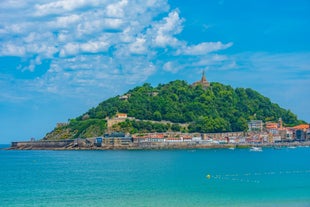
[138, 46]
[59, 7]
[117, 9]
[96, 43]
[165, 30]
[204, 48]
[11, 49]
[172, 66]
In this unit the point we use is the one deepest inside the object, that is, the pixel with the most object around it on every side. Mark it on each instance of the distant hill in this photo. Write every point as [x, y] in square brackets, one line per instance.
[214, 108]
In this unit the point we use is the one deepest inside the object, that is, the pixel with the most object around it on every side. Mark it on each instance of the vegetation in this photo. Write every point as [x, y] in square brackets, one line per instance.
[78, 129]
[219, 108]
[133, 127]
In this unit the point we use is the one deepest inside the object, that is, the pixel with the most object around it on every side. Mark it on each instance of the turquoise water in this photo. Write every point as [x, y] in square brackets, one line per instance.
[156, 178]
[4, 146]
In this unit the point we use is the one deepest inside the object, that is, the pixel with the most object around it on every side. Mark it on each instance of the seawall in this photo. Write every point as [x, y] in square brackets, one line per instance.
[42, 144]
[82, 145]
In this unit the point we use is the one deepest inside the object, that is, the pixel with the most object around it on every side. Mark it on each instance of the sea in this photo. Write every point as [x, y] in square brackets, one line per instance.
[204, 177]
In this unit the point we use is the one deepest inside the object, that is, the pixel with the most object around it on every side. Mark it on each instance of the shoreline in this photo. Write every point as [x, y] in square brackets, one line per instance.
[154, 146]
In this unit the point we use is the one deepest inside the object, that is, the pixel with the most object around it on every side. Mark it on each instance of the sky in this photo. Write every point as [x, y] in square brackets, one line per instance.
[59, 58]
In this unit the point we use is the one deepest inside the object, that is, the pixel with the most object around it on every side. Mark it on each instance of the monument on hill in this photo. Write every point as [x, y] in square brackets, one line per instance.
[203, 81]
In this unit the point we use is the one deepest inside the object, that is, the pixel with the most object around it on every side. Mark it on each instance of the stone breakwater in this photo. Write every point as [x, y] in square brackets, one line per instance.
[72, 145]
[42, 145]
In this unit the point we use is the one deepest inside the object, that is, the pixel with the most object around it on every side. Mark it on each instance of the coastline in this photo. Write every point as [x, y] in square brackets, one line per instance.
[59, 145]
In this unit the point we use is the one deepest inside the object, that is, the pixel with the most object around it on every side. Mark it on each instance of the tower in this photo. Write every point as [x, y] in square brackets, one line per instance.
[280, 123]
[203, 78]
[203, 81]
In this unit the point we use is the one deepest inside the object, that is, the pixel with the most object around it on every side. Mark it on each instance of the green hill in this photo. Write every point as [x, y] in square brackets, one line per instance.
[217, 108]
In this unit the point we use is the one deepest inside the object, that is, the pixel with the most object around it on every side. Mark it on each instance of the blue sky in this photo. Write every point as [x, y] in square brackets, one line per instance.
[58, 58]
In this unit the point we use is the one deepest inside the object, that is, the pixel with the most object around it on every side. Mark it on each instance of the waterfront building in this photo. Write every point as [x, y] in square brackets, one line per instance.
[273, 131]
[156, 137]
[271, 125]
[116, 139]
[300, 135]
[286, 135]
[196, 139]
[277, 138]
[264, 138]
[140, 138]
[255, 125]
[173, 139]
[289, 135]
[149, 137]
[308, 134]
[300, 132]
[98, 141]
[270, 138]
[186, 137]
[241, 140]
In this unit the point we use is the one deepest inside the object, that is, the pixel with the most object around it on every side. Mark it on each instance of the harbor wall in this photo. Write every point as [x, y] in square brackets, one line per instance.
[80, 145]
[41, 144]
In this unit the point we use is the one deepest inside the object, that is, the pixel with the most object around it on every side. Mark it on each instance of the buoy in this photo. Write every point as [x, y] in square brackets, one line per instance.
[208, 176]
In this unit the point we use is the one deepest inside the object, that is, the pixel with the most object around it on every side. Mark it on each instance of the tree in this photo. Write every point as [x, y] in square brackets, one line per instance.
[176, 127]
[157, 116]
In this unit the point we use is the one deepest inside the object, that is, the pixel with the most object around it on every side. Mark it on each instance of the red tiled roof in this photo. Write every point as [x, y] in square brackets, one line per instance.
[302, 126]
[271, 125]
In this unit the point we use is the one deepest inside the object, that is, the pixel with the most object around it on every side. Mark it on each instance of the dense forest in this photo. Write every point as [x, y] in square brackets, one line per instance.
[219, 108]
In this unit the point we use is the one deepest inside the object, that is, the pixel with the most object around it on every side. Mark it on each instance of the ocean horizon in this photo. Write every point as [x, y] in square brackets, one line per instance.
[204, 177]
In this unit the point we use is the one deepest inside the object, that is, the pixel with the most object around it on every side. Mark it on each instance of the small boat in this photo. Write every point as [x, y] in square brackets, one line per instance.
[256, 149]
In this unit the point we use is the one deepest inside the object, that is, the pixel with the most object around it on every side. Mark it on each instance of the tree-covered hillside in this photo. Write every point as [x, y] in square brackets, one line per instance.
[219, 108]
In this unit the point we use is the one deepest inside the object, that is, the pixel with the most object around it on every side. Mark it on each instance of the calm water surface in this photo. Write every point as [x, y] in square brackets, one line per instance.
[156, 178]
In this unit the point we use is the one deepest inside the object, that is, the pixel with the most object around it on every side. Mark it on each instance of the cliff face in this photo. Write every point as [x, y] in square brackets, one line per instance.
[217, 108]
[90, 127]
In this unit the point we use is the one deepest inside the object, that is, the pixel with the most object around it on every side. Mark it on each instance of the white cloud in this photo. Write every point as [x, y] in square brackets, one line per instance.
[113, 23]
[138, 47]
[117, 9]
[95, 44]
[9, 4]
[70, 49]
[172, 67]
[61, 6]
[11, 49]
[165, 30]
[33, 64]
[204, 48]
[65, 21]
